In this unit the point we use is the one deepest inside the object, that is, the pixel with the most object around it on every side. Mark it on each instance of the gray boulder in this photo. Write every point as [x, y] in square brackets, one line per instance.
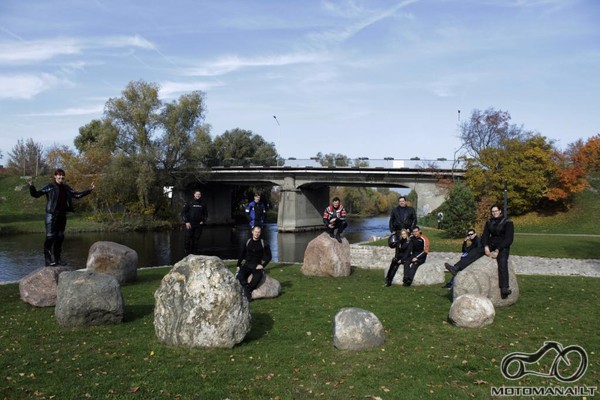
[325, 256]
[472, 311]
[481, 277]
[200, 303]
[427, 274]
[113, 259]
[357, 329]
[87, 298]
[268, 288]
[40, 286]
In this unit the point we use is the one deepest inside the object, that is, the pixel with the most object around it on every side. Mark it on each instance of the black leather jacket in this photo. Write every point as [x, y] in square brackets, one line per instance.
[403, 218]
[51, 190]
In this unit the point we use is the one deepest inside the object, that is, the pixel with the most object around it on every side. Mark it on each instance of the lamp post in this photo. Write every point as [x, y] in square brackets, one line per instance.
[278, 135]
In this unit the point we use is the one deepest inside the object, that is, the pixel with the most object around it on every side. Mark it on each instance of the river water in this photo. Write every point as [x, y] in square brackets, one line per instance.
[22, 254]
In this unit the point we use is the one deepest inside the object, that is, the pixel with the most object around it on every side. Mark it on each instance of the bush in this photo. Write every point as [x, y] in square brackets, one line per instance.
[459, 210]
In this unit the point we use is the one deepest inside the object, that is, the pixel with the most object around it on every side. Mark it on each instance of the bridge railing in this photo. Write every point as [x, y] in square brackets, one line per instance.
[362, 162]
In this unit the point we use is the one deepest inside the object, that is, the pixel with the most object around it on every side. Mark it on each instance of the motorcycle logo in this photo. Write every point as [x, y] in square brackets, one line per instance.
[565, 357]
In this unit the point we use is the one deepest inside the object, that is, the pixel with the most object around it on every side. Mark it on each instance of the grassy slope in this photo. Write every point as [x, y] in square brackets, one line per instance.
[289, 352]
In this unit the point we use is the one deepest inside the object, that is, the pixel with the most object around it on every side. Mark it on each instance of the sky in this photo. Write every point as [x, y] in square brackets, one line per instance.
[372, 78]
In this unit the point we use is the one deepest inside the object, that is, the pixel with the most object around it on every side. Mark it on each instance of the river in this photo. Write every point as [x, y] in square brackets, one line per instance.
[22, 254]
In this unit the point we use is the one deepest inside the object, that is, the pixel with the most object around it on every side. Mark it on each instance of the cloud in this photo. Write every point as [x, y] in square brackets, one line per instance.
[26, 86]
[70, 112]
[31, 52]
[170, 89]
[228, 64]
[340, 35]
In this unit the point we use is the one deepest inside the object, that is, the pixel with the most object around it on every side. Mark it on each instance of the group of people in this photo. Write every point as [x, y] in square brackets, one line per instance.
[411, 246]
[498, 235]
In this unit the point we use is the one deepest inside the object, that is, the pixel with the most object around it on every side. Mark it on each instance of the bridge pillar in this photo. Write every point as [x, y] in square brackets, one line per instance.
[218, 202]
[429, 196]
[300, 208]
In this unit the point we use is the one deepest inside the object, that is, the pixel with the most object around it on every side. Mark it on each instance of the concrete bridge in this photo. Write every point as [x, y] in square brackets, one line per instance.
[304, 190]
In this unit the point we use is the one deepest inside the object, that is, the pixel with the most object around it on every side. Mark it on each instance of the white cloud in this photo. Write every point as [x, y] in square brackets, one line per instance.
[35, 51]
[170, 89]
[126, 41]
[70, 112]
[228, 64]
[24, 86]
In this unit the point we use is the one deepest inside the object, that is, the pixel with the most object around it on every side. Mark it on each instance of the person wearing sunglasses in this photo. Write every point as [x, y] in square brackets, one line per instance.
[472, 250]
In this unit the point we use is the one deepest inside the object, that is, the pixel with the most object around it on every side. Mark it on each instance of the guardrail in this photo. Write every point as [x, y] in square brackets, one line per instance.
[362, 162]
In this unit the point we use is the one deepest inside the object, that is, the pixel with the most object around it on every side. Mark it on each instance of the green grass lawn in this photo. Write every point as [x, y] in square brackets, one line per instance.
[289, 352]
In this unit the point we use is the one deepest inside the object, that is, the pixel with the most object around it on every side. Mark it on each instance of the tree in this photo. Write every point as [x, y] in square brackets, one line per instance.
[26, 158]
[487, 129]
[333, 160]
[98, 134]
[588, 155]
[243, 147]
[528, 166]
[459, 210]
[136, 117]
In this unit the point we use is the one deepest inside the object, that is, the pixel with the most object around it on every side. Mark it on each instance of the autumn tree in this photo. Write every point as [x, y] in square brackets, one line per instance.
[588, 155]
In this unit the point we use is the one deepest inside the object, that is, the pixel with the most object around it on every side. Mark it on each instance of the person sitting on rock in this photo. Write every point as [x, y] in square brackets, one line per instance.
[257, 254]
[403, 250]
[417, 256]
[334, 218]
[470, 253]
[498, 235]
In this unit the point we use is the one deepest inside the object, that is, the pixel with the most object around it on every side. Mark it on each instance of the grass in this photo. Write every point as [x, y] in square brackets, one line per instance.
[289, 352]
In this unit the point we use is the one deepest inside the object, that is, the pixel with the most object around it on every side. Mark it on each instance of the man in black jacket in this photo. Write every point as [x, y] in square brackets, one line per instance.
[194, 215]
[402, 217]
[497, 237]
[59, 201]
[257, 254]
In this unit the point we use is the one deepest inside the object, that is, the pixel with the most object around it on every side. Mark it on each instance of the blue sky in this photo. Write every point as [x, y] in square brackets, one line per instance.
[362, 78]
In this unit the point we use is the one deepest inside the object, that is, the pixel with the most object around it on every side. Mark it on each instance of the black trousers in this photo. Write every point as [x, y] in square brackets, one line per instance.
[192, 239]
[55, 234]
[470, 258]
[502, 261]
[394, 265]
[339, 225]
[410, 269]
[243, 274]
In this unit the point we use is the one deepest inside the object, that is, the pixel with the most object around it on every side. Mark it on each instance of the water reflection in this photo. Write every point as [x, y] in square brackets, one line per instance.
[22, 254]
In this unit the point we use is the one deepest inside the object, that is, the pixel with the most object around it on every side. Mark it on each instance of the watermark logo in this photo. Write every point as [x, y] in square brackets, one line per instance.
[569, 364]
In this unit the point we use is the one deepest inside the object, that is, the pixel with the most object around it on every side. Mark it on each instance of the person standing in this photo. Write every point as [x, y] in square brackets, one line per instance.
[194, 215]
[334, 218]
[498, 235]
[403, 250]
[418, 255]
[254, 257]
[256, 212]
[402, 217]
[472, 250]
[59, 201]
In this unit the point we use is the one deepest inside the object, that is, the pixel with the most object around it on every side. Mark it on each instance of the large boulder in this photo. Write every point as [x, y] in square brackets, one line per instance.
[472, 311]
[325, 256]
[113, 259]
[427, 274]
[481, 277]
[40, 286]
[200, 303]
[88, 298]
[357, 329]
[268, 288]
